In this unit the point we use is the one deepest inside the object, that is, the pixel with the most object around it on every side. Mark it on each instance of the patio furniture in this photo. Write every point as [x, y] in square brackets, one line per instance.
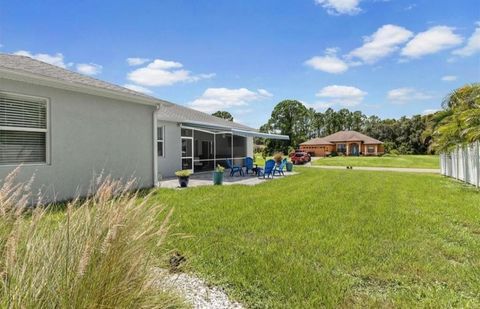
[234, 168]
[279, 168]
[248, 165]
[268, 170]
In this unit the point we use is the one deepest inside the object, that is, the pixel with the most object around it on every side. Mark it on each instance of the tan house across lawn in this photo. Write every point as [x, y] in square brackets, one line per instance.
[350, 143]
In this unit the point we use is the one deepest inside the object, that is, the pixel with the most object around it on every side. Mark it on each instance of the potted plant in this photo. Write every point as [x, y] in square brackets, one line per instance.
[218, 175]
[289, 166]
[183, 177]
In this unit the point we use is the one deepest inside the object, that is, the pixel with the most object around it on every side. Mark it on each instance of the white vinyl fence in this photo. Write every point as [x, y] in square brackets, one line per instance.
[463, 163]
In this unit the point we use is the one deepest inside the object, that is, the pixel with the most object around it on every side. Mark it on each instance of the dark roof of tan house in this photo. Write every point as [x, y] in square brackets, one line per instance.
[343, 136]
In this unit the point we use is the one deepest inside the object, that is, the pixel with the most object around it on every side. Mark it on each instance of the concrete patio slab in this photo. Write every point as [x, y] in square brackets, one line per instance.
[206, 179]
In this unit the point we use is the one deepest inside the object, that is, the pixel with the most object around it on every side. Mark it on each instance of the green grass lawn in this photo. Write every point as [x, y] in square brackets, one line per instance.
[334, 238]
[418, 161]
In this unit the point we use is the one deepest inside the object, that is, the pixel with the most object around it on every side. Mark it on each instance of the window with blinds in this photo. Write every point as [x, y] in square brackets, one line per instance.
[23, 129]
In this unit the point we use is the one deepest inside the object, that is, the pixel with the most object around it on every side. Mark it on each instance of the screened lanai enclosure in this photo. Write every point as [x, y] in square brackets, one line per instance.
[203, 149]
[191, 140]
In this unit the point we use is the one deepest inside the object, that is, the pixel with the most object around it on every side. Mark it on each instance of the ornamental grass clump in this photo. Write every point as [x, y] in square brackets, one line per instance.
[97, 253]
[277, 157]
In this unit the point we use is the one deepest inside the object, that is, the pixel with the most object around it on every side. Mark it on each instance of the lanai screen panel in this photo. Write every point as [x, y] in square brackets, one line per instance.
[203, 157]
[239, 149]
[223, 151]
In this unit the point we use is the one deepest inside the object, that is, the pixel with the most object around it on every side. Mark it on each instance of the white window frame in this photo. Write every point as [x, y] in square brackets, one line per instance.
[162, 140]
[46, 131]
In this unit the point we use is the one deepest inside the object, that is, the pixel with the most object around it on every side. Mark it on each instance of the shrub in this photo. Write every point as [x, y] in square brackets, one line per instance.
[394, 152]
[258, 149]
[97, 253]
[334, 154]
[265, 153]
[183, 173]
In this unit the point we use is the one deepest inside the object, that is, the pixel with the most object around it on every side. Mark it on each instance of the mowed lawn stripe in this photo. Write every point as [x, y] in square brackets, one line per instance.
[407, 161]
[334, 238]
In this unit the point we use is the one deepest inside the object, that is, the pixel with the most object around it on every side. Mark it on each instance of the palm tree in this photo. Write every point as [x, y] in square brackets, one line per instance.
[471, 119]
[459, 121]
[431, 135]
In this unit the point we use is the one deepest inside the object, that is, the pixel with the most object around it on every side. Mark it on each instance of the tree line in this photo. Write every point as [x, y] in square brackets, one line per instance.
[457, 123]
[292, 118]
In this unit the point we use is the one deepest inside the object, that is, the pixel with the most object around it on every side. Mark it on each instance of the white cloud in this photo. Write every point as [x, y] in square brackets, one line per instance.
[382, 43]
[264, 93]
[89, 68]
[449, 78]
[214, 99]
[431, 41]
[338, 7]
[473, 44]
[429, 111]
[410, 7]
[138, 88]
[342, 95]
[164, 73]
[329, 63]
[56, 59]
[198, 77]
[404, 95]
[137, 61]
[243, 111]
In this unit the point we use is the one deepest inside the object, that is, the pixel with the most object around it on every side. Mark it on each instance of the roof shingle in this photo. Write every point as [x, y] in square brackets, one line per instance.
[178, 113]
[343, 136]
[28, 65]
[171, 112]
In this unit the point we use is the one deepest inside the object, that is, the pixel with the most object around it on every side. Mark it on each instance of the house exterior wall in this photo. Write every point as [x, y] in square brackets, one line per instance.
[325, 150]
[379, 149]
[88, 135]
[171, 161]
[318, 150]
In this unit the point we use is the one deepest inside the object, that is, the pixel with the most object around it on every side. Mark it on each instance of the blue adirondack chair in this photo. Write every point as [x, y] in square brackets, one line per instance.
[280, 167]
[248, 164]
[234, 168]
[268, 170]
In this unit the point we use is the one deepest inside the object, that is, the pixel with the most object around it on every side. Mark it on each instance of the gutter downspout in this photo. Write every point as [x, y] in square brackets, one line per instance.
[155, 150]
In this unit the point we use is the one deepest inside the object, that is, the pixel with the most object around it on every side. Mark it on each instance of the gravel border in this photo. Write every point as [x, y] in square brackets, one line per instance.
[194, 290]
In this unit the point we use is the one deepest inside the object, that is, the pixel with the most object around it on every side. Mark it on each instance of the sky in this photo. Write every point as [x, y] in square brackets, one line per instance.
[383, 57]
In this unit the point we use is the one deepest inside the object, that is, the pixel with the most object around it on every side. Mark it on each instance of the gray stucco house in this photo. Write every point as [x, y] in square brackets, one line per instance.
[66, 129]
